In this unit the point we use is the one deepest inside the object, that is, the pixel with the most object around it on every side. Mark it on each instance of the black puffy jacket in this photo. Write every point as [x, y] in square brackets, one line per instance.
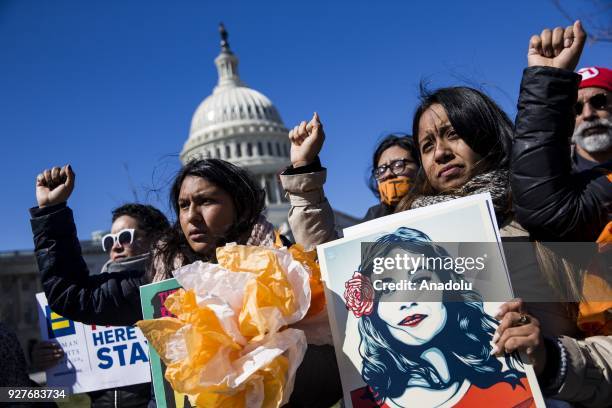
[132, 396]
[106, 299]
[552, 200]
[377, 211]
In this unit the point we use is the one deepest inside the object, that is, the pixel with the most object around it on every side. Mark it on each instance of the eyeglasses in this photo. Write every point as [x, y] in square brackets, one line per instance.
[124, 237]
[598, 102]
[397, 167]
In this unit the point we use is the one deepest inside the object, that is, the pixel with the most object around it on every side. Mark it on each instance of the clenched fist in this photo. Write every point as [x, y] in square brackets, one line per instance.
[54, 186]
[558, 48]
[306, 141]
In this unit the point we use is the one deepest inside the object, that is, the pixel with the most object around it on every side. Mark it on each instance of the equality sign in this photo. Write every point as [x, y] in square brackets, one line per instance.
[152, 298]
[95, 357]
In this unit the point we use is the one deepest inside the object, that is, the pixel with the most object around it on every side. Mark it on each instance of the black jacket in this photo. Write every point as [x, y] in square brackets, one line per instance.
[132, 396]
[377, 211]
[105, 299]
[551, 199]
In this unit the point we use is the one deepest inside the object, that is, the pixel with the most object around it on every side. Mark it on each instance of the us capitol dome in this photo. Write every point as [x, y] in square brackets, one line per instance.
[241, 125]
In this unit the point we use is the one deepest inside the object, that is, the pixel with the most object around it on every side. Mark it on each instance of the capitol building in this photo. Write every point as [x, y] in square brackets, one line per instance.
[241, 125]
[235, 123]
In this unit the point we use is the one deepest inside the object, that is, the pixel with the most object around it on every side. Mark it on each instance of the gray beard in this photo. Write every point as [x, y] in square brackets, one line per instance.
[594, 143]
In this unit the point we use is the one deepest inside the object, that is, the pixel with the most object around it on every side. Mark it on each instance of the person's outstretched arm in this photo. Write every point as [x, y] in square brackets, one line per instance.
[105, 299]
[311, 217]
[551, 201]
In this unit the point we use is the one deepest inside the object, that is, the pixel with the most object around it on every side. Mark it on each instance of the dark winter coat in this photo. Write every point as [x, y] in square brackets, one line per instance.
[111, 298]
[104, 299]
[377, 211]
[553, 200]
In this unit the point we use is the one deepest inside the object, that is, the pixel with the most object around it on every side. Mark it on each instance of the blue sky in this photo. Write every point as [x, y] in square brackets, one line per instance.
[110, 86]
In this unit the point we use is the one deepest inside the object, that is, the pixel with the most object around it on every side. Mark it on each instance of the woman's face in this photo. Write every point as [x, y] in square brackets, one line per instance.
[392, 154]
[409, 321]
[139, 245]
[447, 160]
[206, 212]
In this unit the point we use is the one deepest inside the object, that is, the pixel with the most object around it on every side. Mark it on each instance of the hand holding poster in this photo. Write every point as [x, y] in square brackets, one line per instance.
[406, 307]
[96, 357]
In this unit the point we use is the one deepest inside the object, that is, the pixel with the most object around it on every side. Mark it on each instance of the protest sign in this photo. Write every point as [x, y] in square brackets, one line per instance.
[411, 324]
[95, 357]
[152, 298]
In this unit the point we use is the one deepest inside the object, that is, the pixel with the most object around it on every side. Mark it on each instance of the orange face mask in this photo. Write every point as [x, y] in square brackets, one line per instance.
[392, 190]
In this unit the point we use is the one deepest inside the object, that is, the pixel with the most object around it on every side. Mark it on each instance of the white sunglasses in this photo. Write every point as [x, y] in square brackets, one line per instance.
[124, 237]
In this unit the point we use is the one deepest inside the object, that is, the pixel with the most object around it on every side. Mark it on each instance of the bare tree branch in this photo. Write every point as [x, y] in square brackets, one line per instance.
[592, 15]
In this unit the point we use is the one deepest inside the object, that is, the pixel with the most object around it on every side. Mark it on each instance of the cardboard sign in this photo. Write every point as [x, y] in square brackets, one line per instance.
[396, 350]
[95, 357]
[152, 298]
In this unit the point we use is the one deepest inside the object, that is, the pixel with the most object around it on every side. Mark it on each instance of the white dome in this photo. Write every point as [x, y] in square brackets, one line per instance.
[240, 125]
[234, 105]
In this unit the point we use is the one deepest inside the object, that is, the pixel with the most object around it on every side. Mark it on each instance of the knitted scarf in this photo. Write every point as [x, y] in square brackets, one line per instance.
[138, 262]
[495, 182]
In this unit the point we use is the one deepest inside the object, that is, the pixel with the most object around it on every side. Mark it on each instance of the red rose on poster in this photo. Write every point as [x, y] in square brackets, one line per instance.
[359, 295]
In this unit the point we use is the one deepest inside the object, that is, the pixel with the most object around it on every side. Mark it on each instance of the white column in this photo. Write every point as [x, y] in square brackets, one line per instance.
[262, 181]
[279, 190]
[272, 189]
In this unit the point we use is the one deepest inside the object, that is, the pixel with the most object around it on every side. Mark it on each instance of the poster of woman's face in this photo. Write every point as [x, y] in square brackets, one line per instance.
[411, 331]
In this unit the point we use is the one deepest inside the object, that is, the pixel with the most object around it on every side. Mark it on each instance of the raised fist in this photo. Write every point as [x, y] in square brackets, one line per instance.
[306, 141]
[558, 48]
[54, 186]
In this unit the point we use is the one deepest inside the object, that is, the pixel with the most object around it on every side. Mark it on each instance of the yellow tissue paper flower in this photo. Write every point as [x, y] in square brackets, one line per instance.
[203, 361]
[317, 291]
[187, 343]
[270, 289]
[273, 378]
[158, 331]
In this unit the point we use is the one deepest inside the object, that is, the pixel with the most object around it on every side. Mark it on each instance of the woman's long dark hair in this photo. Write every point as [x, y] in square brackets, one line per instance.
[402, 140]
[477, 119]
[249, 202]
[388, 364]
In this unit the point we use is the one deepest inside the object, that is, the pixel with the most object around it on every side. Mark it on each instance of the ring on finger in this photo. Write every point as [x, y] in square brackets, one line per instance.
[523, 320]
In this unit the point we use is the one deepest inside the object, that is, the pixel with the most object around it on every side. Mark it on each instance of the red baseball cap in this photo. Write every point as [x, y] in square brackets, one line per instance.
[597, 77]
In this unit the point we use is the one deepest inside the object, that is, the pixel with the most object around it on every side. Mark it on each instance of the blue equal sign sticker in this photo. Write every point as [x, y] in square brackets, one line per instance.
[57, 325]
